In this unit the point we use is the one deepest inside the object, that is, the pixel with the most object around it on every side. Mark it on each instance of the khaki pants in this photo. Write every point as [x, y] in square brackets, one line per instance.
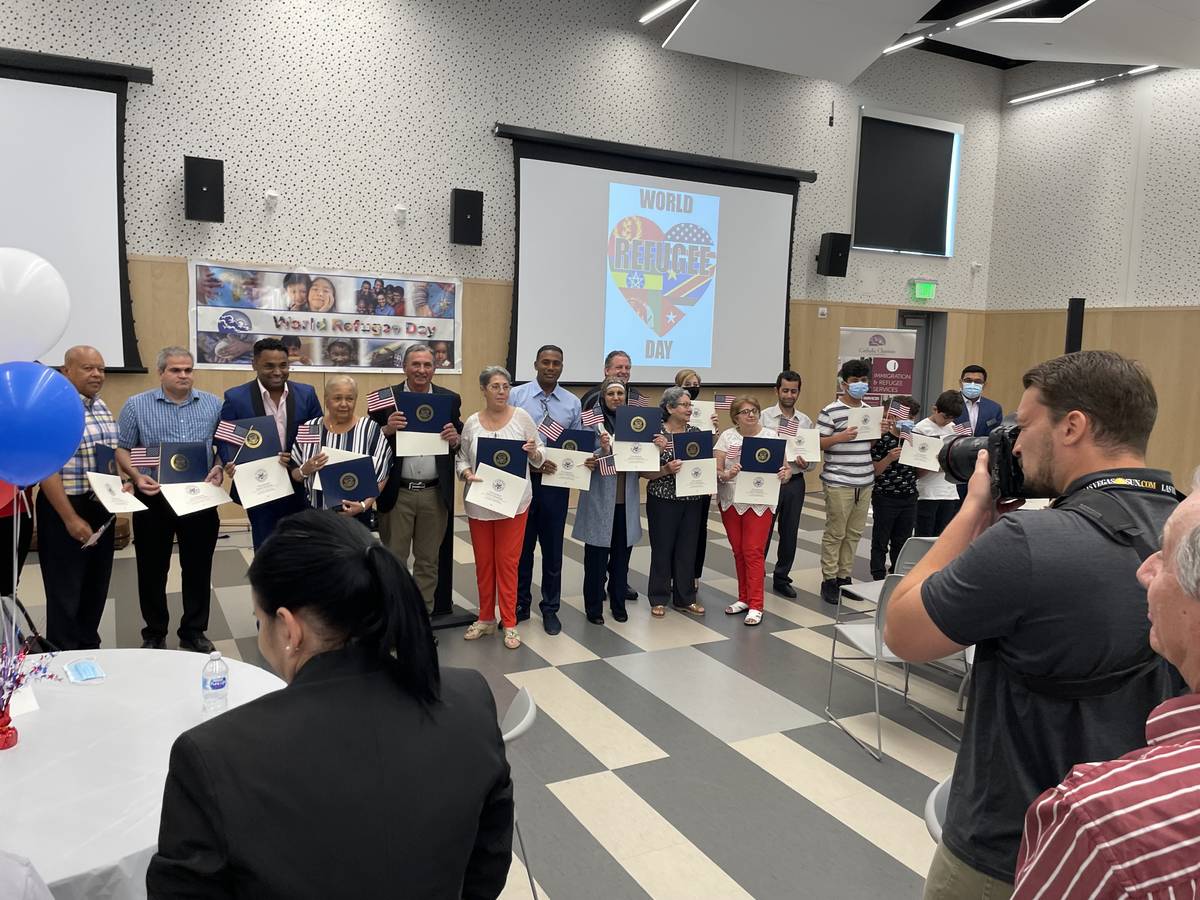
[418, 523]
[952, 879]
[845, 516]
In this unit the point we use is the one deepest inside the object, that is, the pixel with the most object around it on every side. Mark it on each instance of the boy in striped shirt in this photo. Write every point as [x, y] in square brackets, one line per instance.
[848, 477]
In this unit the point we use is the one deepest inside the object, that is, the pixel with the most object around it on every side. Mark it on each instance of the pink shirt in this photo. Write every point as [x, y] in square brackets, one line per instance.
[278, 413]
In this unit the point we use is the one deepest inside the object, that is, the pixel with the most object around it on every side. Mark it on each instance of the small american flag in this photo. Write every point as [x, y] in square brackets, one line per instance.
[231, 433]
[141, 458]
[723, 401]
[608, 465]
[550, 429]
[591, 417]
[733, 456]
[381, 399]
[899, 410]
[638, 400]
[905, 436]
[788, 427]
[308, 434]
[964, 429]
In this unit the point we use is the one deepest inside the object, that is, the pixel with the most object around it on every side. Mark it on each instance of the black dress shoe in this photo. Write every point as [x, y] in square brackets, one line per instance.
[783, 589]
[154, 644]
[596, 620]
[621, 616]
[830, 590]
[522, 614]
[550, 623]
[630, 595]
[199, 644]
[842, 582]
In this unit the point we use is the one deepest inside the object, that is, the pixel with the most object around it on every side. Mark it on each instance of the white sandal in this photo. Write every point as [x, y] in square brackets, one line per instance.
[753, 617]
[478, 629]
[512, 640]
[734, 608]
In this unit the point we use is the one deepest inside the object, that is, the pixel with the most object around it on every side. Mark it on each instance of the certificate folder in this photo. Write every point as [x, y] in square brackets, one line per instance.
[637, 424]
[576, 439]
[693, 445]
[762, 454]
[183, 463]
[262, 439]
[353, 479]
[503, 454]
[428, 413]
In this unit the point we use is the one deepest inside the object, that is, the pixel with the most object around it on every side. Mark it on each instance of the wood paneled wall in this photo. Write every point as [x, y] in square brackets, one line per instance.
[1006, 342]
[1161, 339]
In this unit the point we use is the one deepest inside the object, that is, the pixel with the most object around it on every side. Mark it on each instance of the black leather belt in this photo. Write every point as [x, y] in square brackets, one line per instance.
[418, 485]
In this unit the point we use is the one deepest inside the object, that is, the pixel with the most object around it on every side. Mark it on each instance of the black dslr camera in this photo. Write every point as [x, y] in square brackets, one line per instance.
[1008, 479]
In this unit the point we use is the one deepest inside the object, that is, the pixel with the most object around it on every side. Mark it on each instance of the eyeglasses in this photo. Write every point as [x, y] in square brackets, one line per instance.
[748, 411]
[498, 388]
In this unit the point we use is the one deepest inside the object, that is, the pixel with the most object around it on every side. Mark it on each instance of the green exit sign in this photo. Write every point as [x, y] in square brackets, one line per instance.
[921, 290]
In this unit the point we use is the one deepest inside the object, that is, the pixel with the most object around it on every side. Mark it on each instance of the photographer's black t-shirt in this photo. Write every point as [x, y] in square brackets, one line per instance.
[1052, 596]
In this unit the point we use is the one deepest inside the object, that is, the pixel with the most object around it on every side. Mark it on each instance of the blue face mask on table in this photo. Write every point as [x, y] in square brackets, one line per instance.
[971, 390]
[858, 389]
[80, 670]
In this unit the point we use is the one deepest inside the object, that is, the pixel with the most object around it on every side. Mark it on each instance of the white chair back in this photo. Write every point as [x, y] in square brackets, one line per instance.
[912, 551]
[885, 596]
[520, 716]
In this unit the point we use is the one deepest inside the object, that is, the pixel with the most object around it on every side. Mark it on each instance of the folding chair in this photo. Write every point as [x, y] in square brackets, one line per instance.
[518, 720]
[866, 637]
[935, 809]
[910, 554]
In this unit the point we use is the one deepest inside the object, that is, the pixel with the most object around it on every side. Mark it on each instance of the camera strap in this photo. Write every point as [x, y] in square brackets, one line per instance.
[1098, 502]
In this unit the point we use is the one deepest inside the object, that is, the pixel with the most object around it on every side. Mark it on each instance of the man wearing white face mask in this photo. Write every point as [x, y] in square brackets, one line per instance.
[847, 477]
[979, 412]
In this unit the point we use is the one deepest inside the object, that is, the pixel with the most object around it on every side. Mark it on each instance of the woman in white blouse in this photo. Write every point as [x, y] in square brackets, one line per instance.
[748, 526]
[496, 540]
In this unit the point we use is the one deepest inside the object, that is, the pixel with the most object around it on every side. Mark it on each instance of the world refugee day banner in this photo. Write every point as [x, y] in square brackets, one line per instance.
[329, 321]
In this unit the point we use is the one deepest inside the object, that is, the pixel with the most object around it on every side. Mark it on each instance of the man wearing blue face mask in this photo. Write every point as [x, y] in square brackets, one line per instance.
[847, 478]
[981, 413]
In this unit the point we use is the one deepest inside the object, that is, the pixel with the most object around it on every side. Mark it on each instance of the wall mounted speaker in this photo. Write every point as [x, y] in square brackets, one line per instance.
[466, 217]
[204, 189]
[835, 253]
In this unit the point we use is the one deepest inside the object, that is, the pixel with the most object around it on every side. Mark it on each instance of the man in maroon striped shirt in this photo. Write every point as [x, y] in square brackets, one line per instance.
[1131, 827]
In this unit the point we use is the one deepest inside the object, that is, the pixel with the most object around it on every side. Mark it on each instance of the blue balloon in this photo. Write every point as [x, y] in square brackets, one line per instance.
[41, 422]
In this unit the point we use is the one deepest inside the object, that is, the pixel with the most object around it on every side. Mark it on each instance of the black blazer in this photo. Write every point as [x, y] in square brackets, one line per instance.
[340, 785]
[445, 462]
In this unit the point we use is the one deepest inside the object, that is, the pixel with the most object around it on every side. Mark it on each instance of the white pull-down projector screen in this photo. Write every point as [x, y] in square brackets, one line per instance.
[679, 273]
[59, 183]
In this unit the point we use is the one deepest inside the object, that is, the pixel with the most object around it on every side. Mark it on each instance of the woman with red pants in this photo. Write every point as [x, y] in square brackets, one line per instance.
[748, 526]
[496, 540]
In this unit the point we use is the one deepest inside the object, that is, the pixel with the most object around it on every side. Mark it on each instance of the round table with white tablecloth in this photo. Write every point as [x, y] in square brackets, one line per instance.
[82, 790]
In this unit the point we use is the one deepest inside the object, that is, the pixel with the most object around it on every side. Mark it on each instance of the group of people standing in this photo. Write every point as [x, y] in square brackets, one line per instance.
[414, 510]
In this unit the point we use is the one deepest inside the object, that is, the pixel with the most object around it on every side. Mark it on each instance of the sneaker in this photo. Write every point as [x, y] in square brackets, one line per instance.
[550, 623]
[478, 629]
[198, 644]
[783, 589]
[842, 582]
[630, 595]
[830, 590]
[512, 640]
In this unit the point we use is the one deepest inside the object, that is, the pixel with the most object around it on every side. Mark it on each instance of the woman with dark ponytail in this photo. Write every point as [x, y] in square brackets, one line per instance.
[335, 767]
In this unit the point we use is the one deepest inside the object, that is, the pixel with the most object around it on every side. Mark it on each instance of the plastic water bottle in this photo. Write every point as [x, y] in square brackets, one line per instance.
[214, 683]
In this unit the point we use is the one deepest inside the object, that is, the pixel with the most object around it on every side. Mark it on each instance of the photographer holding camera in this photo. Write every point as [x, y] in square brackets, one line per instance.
[1050, 598]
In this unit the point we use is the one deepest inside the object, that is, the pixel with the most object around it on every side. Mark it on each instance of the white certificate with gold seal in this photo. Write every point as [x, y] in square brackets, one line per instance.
[499, 491]
[571, 471]
[107, 489]
[193, 496]
[756, 488]
[921, 452]
[635, 456]
[868, 420]
[696, 478]
[262, 481]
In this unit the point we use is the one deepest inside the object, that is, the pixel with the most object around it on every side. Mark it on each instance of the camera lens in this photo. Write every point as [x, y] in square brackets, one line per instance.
[957, 457]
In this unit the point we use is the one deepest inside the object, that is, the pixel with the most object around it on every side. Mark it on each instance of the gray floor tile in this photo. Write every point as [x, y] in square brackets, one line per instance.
[228, 568]
[718, 698]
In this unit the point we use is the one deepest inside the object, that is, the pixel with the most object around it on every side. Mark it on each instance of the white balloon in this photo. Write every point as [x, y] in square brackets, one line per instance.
[34, 305]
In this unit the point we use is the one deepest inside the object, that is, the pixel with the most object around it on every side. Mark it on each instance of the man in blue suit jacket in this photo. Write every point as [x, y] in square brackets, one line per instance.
[271, 394]
[981, 413]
